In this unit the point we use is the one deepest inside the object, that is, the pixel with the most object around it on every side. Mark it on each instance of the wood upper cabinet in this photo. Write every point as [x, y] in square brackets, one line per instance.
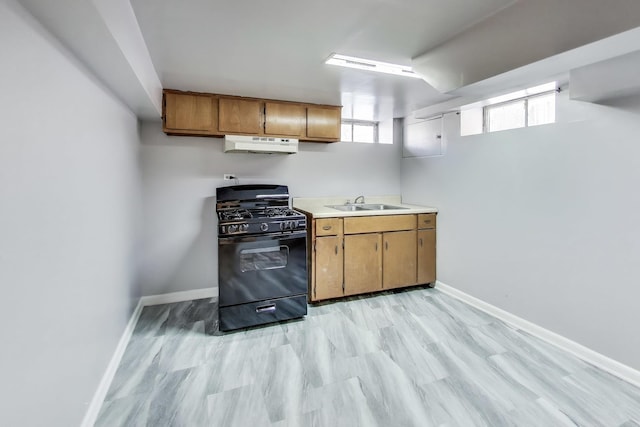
[399, 259]
[237, 115]
[190, 113]
[362, 263]
[323, 123]
[206, 114]
[284, 119]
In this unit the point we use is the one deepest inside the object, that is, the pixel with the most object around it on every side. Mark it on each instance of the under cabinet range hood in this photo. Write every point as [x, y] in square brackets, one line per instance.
[259, 144]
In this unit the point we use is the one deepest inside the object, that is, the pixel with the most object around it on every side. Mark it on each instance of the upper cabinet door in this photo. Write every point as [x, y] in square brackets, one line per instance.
[283, 119]
[323, 123]
[239, 115]
[189, 112]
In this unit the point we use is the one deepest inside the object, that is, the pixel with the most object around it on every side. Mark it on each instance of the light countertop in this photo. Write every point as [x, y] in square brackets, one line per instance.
[318, 206]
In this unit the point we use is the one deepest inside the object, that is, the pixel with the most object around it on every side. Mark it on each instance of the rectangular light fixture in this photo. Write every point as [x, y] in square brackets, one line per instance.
[371, 65]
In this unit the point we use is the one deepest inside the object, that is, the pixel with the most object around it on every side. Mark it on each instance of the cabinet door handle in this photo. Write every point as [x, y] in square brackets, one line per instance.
[386, 245]
[336, 249]
[326, 227]
[376, 246]
[421, 242]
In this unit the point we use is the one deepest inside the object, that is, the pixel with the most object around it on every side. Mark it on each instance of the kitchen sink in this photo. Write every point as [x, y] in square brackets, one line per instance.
[380, 207]
[363, 207]
[348, 208]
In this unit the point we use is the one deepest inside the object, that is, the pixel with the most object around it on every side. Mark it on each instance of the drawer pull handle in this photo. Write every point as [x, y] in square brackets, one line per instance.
[427, 221]
[326, 227]
[269, 308]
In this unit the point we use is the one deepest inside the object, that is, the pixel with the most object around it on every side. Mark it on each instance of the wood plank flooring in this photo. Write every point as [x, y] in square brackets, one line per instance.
[416, 357]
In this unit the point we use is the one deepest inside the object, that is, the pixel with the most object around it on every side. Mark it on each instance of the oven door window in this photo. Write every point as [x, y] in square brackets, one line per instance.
[269, 258]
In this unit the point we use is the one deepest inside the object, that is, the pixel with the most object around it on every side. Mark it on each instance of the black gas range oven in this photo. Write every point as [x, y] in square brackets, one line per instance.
[262, 256]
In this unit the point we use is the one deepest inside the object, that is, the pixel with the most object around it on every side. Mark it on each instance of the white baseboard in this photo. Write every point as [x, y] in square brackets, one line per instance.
[179, 296]
[96, 403]
[601, 361]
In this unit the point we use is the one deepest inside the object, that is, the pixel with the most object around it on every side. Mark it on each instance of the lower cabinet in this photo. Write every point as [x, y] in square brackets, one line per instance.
[427, 256]
[358, 255]
[426, 249]
[328, 269]
[400, 256]
[362, 263]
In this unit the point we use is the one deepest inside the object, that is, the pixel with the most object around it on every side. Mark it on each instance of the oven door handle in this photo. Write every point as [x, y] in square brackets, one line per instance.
[272, 196]
[269, 308]
[262, 237]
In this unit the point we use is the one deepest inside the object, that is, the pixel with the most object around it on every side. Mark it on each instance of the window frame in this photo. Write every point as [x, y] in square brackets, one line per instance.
[486, 108]
[372, 123]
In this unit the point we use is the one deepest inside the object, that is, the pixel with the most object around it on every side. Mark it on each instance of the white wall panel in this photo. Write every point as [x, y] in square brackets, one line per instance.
[68, 212]
[542, 221]
[180, 176]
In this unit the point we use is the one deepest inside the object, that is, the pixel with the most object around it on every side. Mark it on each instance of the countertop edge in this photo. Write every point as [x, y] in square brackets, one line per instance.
[317, 208]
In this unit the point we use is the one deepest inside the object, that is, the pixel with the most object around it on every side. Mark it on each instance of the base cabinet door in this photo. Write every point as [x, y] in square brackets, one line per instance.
[399, 259]
[426, 256]
[363, 263]
[328, 268]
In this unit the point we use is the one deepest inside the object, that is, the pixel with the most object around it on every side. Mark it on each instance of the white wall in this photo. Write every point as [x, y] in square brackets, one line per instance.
[68, 197]
[180, 177]
[543, 222]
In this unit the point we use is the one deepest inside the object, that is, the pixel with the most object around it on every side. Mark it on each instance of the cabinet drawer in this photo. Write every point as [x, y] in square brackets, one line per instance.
[427, 220]
[379, 223]
[328, 226]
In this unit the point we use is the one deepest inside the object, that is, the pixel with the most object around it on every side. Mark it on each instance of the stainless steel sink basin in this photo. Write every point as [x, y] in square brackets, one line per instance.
[363, 207]
[347, 208]
[380, 207]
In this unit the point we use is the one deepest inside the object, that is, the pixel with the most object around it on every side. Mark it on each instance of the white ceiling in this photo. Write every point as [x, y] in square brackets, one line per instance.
[276, 49]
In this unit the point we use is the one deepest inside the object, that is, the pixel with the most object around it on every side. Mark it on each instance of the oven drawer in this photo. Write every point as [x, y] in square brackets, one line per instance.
[257, 313]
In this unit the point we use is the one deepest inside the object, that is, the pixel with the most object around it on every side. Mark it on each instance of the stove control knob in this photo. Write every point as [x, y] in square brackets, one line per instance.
[283, 226]
[232, 228]
[244, 227]
[264, 226]
[223, 229]
[294, 224]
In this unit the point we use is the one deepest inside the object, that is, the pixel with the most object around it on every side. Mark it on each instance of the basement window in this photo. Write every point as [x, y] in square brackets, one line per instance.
[529, 107]
[359, 131]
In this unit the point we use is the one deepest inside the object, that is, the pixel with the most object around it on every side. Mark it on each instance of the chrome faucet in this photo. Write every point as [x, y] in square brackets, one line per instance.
[361, 198]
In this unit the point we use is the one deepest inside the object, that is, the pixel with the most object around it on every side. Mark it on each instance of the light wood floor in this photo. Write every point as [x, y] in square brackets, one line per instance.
[411, 358]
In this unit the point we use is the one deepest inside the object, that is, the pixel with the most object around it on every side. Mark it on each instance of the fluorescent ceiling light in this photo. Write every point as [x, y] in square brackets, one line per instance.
[368, 64]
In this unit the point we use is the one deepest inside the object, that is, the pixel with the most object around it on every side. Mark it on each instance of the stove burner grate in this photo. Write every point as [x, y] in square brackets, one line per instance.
[235, 214]
[279, 212]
